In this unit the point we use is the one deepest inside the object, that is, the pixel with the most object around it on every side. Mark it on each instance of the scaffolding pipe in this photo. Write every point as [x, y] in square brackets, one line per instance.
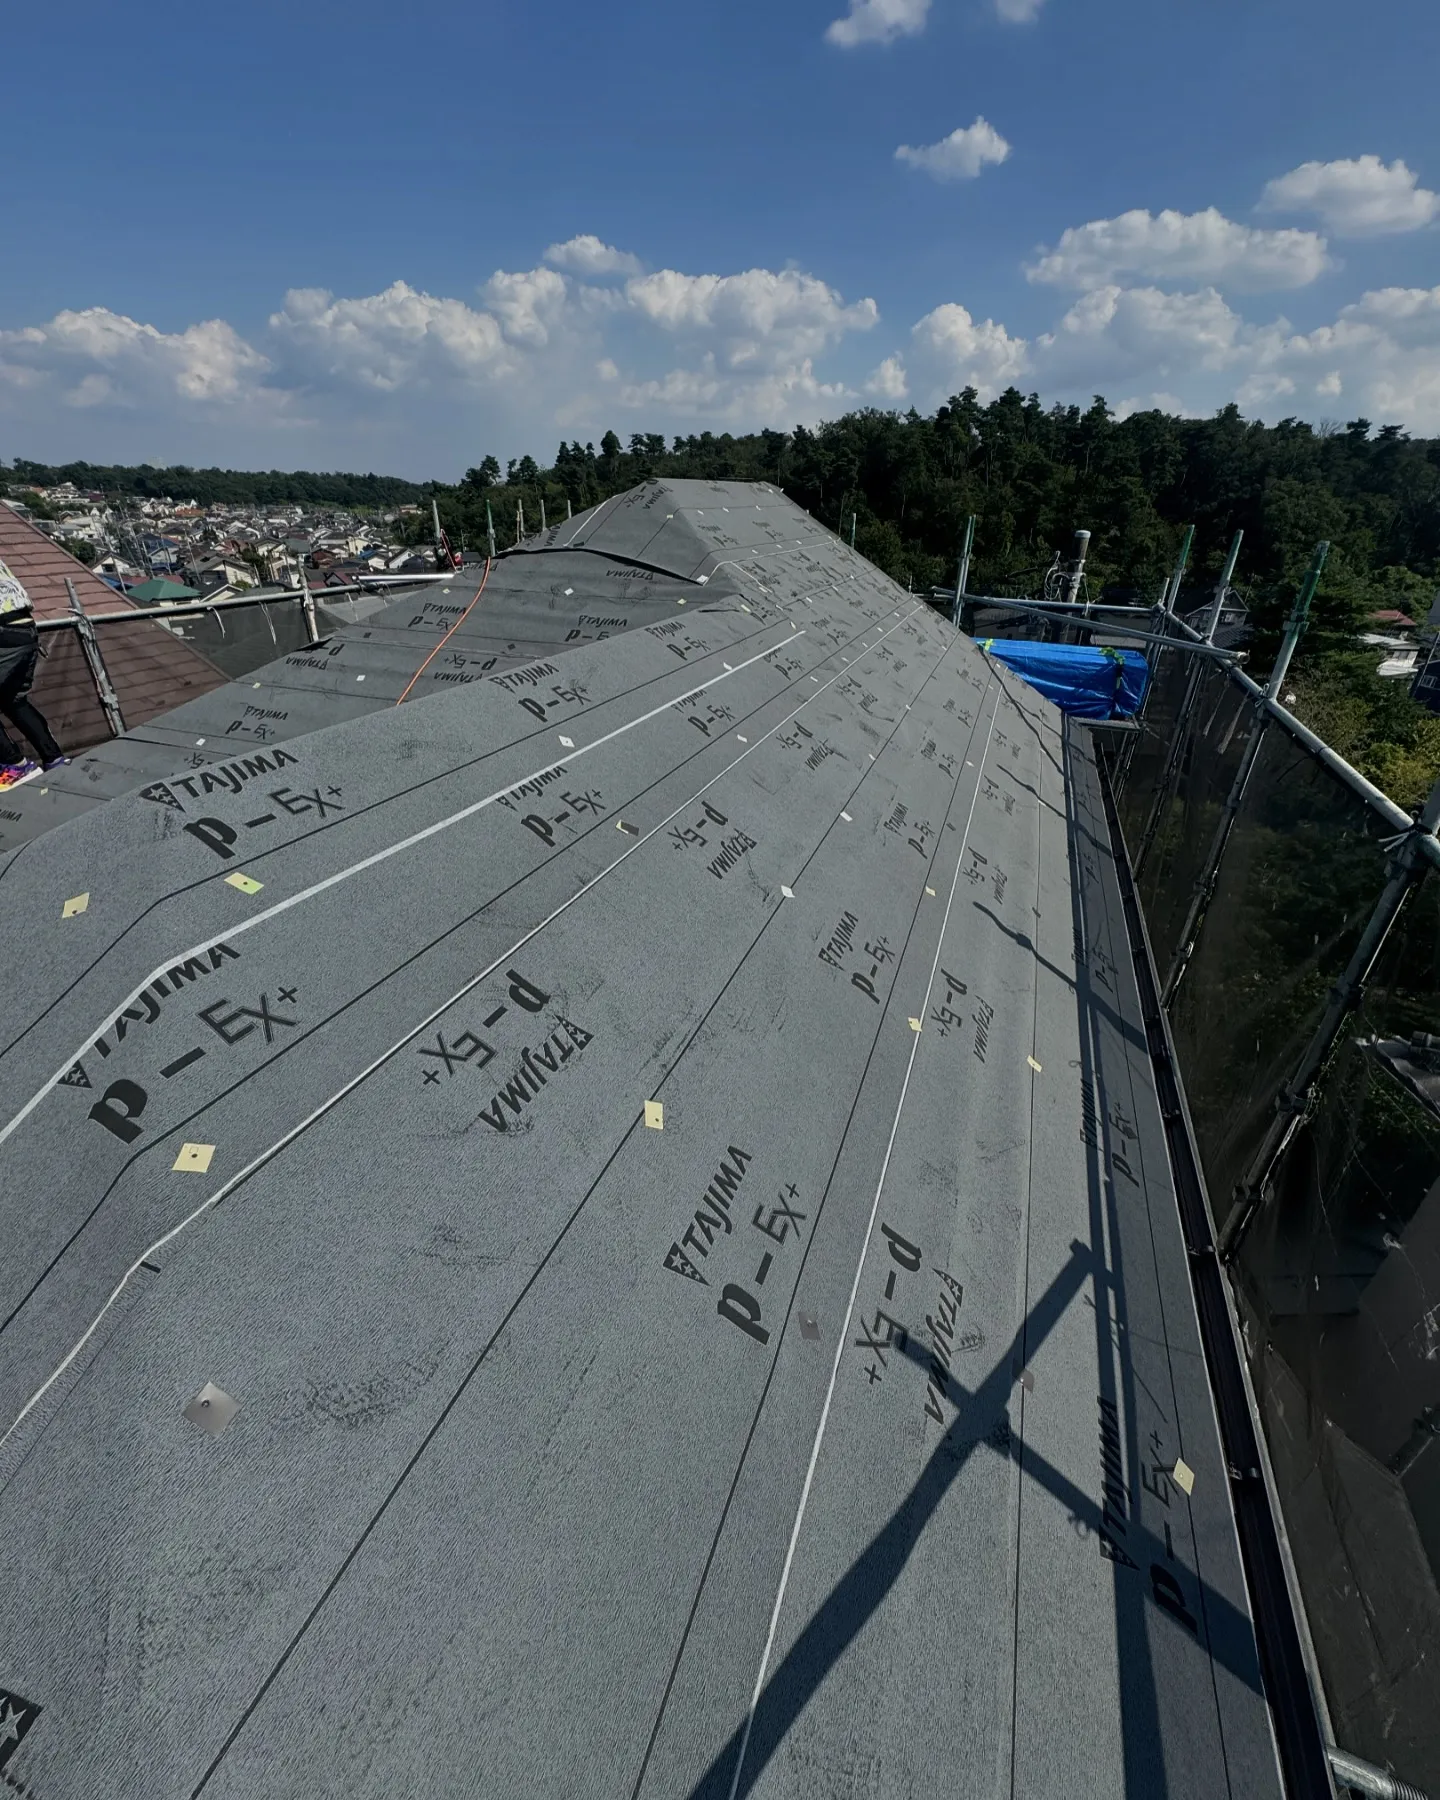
[1172, 761]
[1162, 617]
[99, 674]
[190, 609]
[1373, 796]
[1075, 573]
[307, 608]
[1172, 587]
[1222, 588]
[1360, 785]
[1295, 625]
[1092, 609]
[1182, 718]
[1205, 881]
[1058, 610]
[1364, 1778]
[490, 530]
[444, 556]
[1291, 1102]
[962, 574]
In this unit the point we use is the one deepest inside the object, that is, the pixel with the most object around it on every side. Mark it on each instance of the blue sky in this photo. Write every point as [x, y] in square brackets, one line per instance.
[400, 238]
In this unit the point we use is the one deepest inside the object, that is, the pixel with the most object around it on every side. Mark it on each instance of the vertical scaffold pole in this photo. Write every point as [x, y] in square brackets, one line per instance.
[307, 606]
[962, 574]
[1406, 867]
[1222, 588]
[1172, 589]
[1176, 751]
[1205, 881]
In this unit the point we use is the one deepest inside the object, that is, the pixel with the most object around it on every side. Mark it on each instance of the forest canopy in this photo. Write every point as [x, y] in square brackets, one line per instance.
[214, 487]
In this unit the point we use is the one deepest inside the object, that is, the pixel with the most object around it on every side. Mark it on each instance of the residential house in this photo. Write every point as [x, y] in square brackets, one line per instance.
[217, 577]
[1393, 633]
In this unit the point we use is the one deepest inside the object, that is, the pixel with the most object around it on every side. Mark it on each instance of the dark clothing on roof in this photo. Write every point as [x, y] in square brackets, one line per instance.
[19, 652]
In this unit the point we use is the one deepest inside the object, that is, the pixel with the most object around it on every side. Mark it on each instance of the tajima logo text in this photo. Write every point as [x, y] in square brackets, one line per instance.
[225, 778]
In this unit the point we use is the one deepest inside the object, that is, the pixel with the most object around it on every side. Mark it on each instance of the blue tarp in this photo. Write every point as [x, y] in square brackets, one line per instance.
[1091, 682]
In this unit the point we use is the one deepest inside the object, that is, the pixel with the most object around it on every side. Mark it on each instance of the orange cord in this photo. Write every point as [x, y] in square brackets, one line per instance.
[448, 635]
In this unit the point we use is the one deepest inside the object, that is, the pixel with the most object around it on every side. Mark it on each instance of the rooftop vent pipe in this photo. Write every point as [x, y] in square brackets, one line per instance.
[1076, 569]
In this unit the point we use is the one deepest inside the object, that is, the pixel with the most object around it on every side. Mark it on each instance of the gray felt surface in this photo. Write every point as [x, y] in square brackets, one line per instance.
[815, 1438]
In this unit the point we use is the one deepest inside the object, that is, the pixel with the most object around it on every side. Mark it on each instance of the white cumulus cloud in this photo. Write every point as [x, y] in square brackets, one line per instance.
[739, 348]
[528, 305]
[588, 255]
[878, 22]
[1381, 352]
[1175, 246]
[959, 157]
[887, 382]
[778, 397]
[1357, 197]
[1408, 315]
[387, 340]
[759, 316]
[1115, 331]
[957, 352]
[112, 358]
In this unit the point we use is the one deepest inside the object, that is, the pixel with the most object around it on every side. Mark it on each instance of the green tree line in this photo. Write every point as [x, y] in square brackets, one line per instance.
[213, 487]
[1032, 475]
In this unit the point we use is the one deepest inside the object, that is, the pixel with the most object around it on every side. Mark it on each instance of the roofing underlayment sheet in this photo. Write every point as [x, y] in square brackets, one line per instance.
[609, 1232]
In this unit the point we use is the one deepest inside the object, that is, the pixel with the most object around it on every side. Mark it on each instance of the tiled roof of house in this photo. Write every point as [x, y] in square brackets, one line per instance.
[43, 567]
[152, 671]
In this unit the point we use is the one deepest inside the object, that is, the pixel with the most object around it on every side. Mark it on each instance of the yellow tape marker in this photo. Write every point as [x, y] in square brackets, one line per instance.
[1033, 1064]
[914, 1024]
[654, 1115]
[1184, 1476]
[247, 884]
[194, 1158]
[931, 892]
[72, 907]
